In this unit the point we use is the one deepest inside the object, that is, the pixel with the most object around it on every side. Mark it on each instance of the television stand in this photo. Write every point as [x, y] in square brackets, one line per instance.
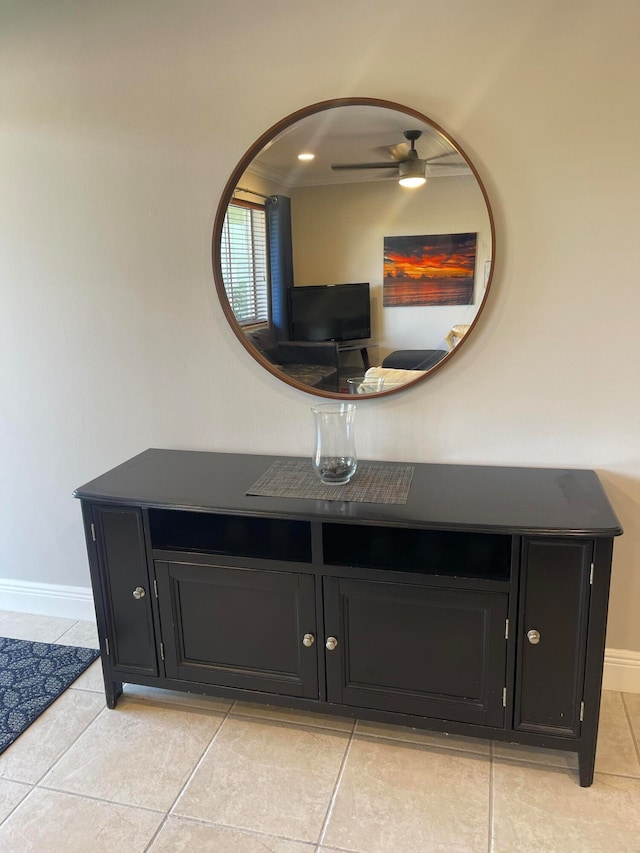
[357, 347]
[478, 607]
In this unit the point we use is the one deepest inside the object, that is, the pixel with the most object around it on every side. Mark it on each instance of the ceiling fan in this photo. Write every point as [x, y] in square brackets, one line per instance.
[410, 167]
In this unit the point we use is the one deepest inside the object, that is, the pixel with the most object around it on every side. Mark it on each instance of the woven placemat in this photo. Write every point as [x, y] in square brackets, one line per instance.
[373, 482]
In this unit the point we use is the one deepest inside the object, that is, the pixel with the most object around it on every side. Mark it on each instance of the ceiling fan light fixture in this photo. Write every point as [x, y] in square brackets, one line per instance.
[413, 173]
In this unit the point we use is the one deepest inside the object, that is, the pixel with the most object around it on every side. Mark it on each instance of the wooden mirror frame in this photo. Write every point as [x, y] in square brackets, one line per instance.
[227, 196]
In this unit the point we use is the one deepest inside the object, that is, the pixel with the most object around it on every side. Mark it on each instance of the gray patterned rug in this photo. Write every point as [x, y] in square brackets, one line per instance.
[32, 676]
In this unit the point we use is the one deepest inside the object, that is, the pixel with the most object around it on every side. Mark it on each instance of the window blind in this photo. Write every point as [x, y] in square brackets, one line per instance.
[243, 254]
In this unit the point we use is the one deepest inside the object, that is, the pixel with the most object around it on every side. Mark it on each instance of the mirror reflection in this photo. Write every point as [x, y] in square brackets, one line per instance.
[353, 248]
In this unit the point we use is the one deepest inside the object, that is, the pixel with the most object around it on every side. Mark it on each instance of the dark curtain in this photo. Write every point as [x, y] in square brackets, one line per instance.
[280, 251]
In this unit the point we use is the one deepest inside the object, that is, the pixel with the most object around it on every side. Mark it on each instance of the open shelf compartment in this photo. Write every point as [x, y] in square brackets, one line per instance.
[484, 556]
[230, 535]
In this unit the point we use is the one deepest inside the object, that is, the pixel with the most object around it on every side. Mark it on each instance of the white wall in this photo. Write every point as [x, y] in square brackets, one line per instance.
[120, 124]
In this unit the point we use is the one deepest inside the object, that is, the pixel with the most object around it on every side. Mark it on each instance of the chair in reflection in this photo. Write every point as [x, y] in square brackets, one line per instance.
[313, 363]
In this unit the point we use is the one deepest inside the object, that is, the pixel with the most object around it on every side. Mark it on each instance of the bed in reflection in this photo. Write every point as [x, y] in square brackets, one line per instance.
[377, 379]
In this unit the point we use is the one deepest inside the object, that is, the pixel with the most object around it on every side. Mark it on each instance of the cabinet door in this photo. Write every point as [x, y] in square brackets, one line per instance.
[427, 651]
[239, 627]
[123, 572]
[554, 600]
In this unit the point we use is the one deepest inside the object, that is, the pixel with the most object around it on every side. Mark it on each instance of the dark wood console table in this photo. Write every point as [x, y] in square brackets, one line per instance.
[479, 607]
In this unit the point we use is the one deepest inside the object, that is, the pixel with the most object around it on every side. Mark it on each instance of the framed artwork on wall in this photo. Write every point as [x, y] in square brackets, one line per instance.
[437, 269]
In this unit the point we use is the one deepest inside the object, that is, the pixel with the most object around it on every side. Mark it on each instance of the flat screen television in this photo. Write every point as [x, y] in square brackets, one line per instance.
[330, 312]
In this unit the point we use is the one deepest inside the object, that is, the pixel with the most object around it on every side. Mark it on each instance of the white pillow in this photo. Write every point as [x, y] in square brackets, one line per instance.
[394, 375]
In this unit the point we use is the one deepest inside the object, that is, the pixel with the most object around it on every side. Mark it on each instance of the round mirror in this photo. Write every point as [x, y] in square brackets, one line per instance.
[353, 248]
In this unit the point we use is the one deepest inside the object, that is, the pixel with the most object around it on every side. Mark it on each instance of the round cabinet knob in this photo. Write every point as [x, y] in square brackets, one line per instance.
[331, 643]
[308, 640]
[533, 636]
[139, 592]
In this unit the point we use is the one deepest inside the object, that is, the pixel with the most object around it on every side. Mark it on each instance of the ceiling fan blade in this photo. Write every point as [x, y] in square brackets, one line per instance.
[440, 156]
[337, 166]
[447, 165]
[393, 152]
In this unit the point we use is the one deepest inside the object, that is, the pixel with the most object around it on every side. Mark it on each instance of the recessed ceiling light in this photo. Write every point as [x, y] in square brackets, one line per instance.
[306, 156]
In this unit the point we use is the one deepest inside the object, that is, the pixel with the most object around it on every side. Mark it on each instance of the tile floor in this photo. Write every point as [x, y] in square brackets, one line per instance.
[168, 772]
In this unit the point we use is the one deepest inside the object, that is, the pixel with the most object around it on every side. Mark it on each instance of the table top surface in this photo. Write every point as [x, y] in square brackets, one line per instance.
[483, 498]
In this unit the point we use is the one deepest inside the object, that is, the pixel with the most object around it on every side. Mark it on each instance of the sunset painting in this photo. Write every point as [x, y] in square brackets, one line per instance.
[432, 270]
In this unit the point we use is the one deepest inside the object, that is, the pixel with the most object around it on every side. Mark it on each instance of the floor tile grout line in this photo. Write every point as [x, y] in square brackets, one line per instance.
[254, 833]
[4, 632]
[26, 796]
[615, 775]
[200, 760]
[341, 771]
[65, 631]
[95, 799]
[491, 803]
[565, 768]
[167, 704]
[630, 724]
[64, 752]
[426, 745]
[57, 760]
[157, 832]
[256, 718]
[84, 689]
[165, 814]
[70, 746]
[558, 768]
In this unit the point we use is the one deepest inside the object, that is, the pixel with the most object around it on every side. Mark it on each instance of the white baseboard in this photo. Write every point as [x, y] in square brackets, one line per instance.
[621, 670]
[47, 599]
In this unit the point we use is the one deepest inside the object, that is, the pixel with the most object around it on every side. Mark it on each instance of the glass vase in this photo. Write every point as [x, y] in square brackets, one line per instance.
[334, 460]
